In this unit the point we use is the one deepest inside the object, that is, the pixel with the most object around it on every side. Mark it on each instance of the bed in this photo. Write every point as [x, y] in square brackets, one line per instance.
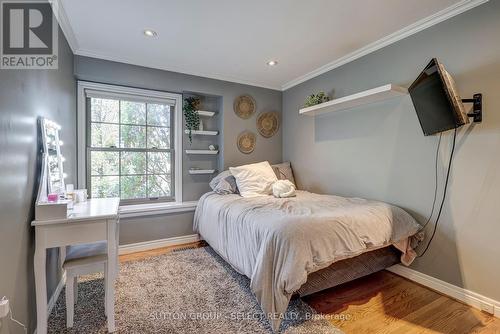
[282, 243]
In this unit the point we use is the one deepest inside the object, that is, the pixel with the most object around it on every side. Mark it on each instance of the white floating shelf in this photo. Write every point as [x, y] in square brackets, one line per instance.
[201, 171]
[206, 113]
[356, 100]
[202, 133]
[205, 152]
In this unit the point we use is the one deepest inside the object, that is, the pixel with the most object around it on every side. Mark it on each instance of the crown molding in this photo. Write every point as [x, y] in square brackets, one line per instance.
[429, 21]
[62, 18]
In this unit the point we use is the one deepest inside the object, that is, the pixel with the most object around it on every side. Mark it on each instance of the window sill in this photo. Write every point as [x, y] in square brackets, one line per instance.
[144, 210]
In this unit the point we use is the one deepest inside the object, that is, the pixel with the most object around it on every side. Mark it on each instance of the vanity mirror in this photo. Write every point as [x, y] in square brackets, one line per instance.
[49, 204]
[52, 148]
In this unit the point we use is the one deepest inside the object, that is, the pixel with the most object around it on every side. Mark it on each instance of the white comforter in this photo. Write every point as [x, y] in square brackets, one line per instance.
[277, 242]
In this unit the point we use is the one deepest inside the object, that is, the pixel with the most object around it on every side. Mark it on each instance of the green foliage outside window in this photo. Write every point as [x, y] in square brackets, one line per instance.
[130, 144]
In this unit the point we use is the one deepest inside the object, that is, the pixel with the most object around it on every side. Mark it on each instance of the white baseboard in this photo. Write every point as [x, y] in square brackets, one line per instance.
[148, 245]
[468, 297]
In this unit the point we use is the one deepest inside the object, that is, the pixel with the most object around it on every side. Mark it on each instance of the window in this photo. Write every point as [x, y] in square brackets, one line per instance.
[130, 143]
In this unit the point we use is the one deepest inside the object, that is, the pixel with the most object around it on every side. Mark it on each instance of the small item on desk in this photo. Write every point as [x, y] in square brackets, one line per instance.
[80, 195]
[70, 192]
[52, 198]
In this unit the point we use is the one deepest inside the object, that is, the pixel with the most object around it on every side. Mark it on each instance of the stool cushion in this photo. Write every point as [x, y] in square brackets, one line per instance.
[80, 255]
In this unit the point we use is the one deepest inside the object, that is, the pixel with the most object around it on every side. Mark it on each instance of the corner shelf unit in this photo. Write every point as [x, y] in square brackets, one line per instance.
[202, 133]
[201, 171]
[199, 162]
[203, 152]
[381, 93]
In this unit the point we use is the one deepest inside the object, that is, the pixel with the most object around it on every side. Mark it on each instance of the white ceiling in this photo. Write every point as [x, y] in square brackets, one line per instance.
[232, 40]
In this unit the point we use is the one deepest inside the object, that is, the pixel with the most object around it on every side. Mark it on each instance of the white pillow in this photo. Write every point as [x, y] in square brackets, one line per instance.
[254, 179]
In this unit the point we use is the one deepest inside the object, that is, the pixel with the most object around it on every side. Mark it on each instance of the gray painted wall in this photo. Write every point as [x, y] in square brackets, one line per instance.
[379, 151]
[26, 95]
[220, 96]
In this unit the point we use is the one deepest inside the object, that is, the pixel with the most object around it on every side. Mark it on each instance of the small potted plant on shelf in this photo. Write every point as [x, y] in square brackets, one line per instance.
[190, 108]
[315, 99]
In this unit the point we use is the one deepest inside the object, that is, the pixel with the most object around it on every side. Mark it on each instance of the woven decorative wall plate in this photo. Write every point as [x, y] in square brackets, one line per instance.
[246, 142]
[244, 106]
[268, 124]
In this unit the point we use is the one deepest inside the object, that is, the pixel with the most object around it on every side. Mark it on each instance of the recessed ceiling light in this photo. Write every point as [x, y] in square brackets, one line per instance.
[272, 63]
[150, 33]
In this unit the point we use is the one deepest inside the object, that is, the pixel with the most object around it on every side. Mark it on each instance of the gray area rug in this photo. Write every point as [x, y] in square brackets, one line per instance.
[190, 291]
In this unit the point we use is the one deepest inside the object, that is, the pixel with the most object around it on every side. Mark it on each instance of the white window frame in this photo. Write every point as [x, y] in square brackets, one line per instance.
[178, 137]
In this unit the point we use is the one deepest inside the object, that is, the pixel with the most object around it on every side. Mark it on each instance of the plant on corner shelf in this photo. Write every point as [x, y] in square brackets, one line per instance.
[315, 99]
[190, 108]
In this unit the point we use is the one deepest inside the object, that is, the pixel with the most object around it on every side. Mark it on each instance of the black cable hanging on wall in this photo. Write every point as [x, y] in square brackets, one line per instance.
[444, 192]
[435, 182]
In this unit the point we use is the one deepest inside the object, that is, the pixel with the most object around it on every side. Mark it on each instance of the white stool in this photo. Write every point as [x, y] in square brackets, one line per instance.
[83, 260]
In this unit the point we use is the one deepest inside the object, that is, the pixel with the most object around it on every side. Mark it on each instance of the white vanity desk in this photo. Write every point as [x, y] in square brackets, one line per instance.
[91, 221]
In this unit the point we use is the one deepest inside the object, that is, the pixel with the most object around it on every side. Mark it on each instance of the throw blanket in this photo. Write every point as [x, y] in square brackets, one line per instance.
[277, 242]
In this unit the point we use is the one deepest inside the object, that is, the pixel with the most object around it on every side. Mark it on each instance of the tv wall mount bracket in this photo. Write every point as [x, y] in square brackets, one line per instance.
[477, 107]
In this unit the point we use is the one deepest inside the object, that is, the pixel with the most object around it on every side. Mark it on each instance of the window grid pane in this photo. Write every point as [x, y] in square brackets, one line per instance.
[132, 136]
[158, 137]
[104, 163]
[130, 150]
[104, 110]
[104, 135]
[159, 185]
[132, 113]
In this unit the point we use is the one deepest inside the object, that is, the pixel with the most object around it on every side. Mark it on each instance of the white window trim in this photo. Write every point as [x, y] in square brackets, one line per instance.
[142, 210]
[139, 209]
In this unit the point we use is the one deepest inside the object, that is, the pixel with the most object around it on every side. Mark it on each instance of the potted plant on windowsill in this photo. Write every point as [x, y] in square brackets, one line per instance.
[190, 108]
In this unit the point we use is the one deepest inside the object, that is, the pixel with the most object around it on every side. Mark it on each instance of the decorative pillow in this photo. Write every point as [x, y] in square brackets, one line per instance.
[284, 171]
[224, 183]
[254, 179]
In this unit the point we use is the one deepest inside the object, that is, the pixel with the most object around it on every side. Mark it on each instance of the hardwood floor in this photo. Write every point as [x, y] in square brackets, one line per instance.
[384, 303]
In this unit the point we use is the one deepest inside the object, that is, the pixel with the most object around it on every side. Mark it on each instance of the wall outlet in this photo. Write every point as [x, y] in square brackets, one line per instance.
[4, 307]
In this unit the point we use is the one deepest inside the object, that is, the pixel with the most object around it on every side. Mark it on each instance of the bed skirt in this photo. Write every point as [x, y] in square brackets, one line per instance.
[350, 269]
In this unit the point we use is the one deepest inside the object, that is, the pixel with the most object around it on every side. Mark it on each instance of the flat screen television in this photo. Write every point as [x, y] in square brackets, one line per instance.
[436, 100]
